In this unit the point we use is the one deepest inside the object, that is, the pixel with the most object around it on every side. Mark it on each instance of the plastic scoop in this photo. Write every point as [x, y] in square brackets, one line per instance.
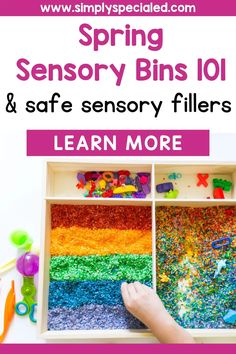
[9, 311]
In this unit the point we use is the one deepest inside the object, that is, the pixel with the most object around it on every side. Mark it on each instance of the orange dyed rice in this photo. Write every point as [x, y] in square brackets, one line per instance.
[80, 241]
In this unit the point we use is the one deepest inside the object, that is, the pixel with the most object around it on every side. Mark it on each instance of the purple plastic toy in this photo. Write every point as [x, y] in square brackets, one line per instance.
[143, 187]
[81, 178]
[164, 187]
[28, 264]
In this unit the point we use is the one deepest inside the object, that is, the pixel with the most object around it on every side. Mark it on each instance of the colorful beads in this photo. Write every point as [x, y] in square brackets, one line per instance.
[192, 295]
[107, 184]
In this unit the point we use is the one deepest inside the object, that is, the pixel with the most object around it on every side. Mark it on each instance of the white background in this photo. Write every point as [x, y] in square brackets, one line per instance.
[55, 40]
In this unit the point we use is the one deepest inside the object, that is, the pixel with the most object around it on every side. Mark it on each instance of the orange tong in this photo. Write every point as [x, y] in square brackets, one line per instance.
[9, 310]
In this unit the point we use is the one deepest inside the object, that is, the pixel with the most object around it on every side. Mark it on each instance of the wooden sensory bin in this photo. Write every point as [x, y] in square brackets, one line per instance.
[60, 189]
